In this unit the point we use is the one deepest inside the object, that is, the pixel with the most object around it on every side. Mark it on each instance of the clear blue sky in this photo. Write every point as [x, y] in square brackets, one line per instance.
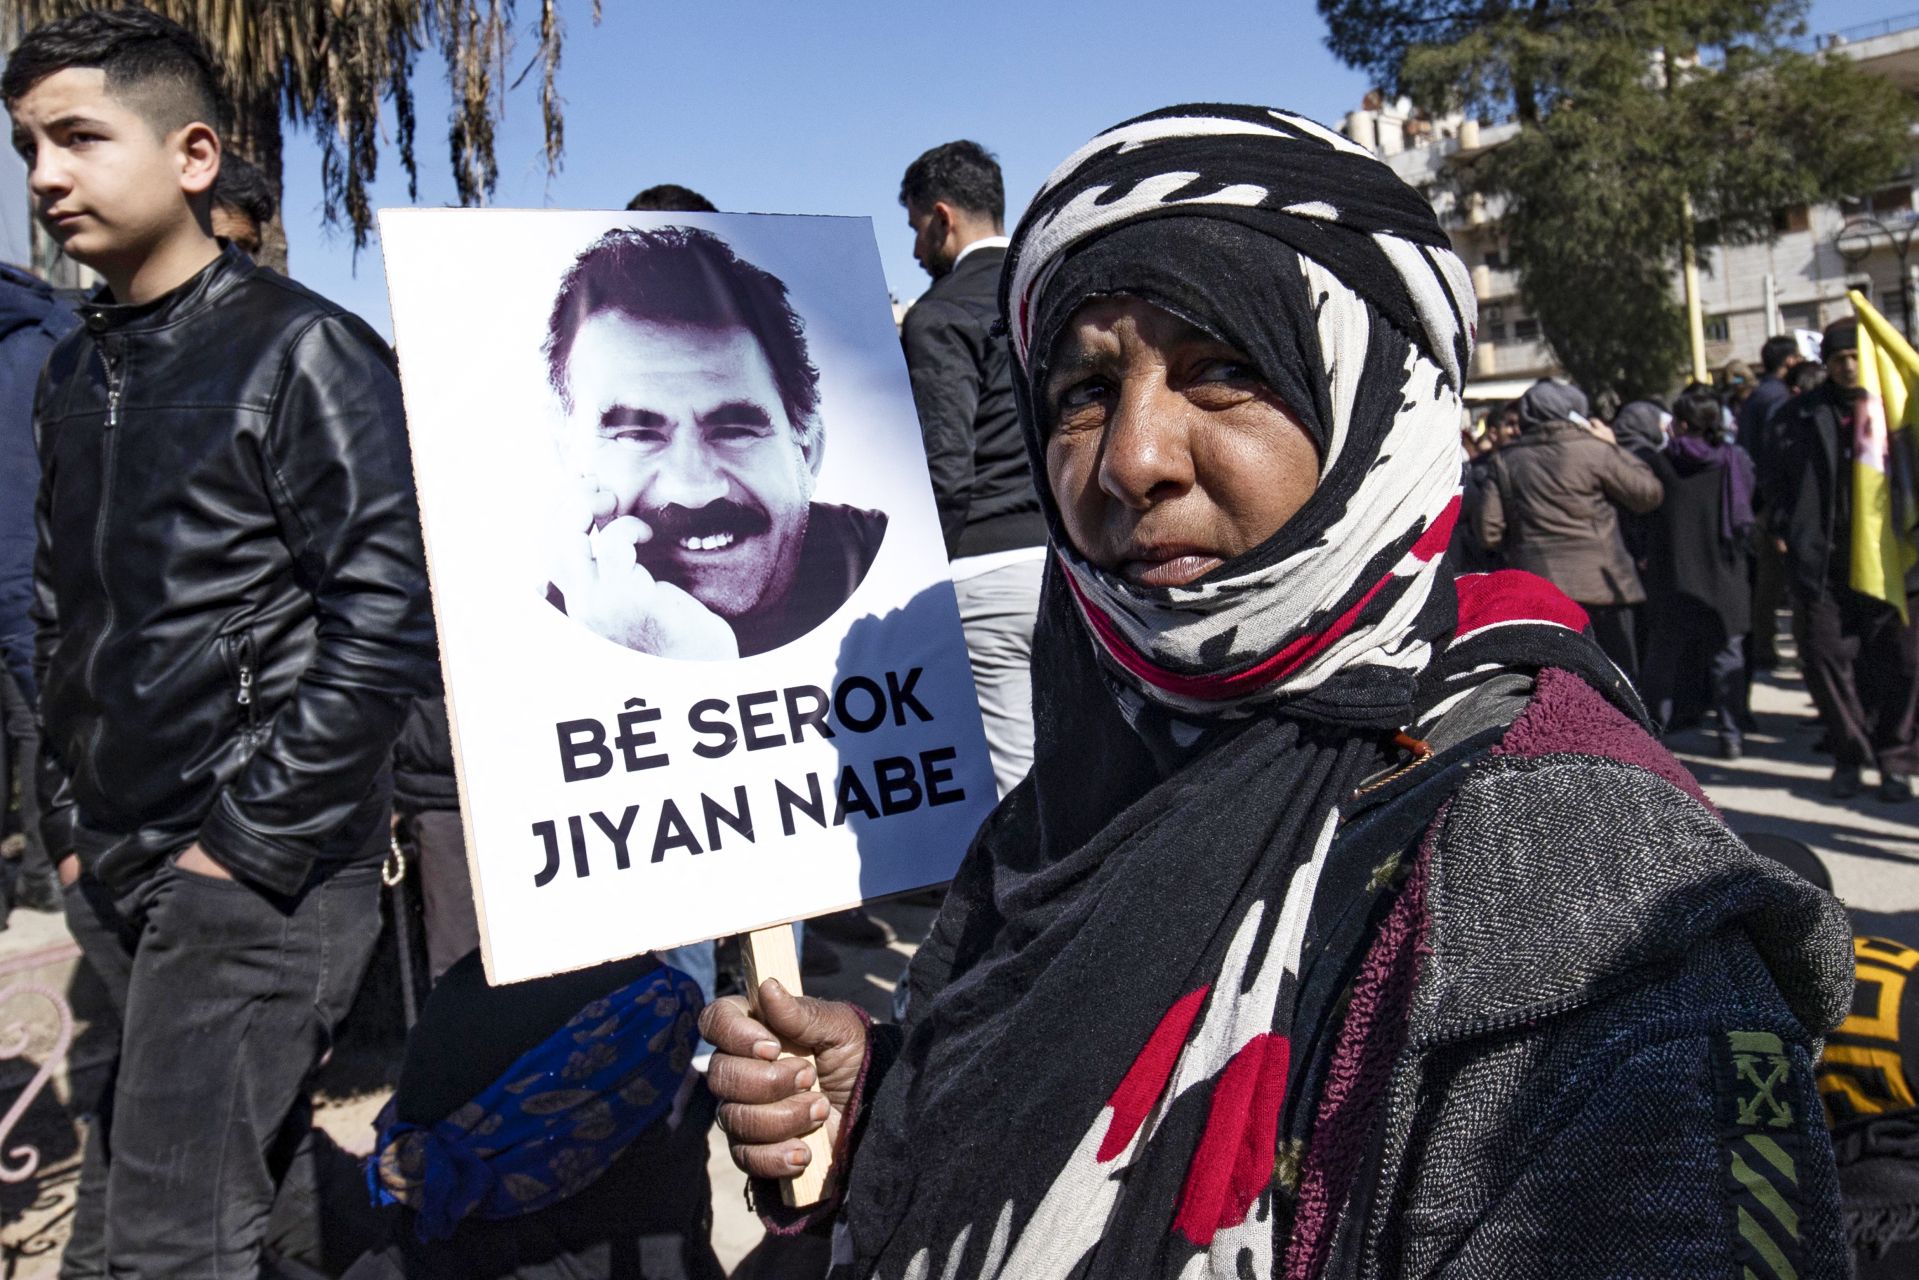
[772, 106]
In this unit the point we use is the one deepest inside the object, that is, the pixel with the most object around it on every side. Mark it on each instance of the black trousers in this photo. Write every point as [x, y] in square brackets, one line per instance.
[1862, 667]
[1690, 665]
[1612, 627]
[228, 1001]
[452, 928]
[1768, 597]
[20, 759]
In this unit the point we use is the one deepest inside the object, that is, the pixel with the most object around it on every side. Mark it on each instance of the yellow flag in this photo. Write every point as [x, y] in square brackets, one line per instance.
[1885, 514]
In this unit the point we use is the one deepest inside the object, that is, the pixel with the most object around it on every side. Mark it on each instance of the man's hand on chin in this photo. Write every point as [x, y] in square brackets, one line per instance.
[196, 861]
[611, 593]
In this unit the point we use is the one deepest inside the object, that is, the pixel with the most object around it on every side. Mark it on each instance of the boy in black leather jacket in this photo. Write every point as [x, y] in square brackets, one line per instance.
[231, 617]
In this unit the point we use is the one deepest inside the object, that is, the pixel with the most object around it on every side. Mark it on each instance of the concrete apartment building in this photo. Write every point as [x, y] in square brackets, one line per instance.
[1798, 280]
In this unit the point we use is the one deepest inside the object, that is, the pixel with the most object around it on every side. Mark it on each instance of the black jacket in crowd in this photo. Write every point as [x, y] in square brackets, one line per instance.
[1690, 565]
[32, 318]
[1758, 428]
[230, 597]
[963, 388]
[1812, 495]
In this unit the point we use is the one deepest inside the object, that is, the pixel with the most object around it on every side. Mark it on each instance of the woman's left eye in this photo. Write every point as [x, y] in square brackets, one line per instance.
[1224, 371]
[1085, 392]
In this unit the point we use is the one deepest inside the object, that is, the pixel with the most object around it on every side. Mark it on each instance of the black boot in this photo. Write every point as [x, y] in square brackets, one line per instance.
[37, 889]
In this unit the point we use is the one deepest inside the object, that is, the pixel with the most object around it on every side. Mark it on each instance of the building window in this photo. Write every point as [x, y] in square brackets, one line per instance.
[1803, 315]
[1495, 260]
[1797, 218]
[1526, 330]
[1718, 329]
[1887, 202]
[1493, 331]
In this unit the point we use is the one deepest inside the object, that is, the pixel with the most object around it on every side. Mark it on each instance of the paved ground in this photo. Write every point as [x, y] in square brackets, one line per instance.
[1871, 849]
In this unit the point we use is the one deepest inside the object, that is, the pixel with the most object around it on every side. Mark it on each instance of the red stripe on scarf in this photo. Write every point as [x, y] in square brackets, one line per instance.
[1234, 1161]
[1146, 1078]
[1513, 595]
[1287, 660]
[1439, 534]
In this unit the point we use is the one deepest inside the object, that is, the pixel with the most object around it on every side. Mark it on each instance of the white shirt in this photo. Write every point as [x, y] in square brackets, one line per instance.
[990, 242]
[964, 567]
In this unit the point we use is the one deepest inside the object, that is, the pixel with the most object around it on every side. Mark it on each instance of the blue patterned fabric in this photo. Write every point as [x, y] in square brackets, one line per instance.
[554, 1121]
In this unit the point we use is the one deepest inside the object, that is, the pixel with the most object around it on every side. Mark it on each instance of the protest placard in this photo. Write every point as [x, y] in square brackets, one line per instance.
[704, 664]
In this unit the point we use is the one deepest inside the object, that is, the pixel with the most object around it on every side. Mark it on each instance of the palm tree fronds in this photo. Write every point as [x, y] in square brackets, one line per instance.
[333, 66]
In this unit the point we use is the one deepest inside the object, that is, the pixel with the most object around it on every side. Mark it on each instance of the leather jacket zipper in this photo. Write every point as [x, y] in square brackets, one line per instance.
[114, 388]
[245, 677]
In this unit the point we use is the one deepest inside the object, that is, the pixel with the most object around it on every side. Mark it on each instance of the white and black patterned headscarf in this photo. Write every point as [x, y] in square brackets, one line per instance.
[1312, 257]
[1116, 1019]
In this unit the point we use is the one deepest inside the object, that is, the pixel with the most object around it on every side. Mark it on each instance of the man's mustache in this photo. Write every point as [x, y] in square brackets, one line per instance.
[672, 522]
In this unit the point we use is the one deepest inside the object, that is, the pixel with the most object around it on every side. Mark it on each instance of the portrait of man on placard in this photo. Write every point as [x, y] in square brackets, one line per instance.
[689, 431]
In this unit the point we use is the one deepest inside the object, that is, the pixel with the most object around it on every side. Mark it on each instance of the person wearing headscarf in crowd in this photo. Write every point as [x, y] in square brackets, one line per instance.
[1641, 427]
[1698, 561]
[1552, 507]
[1350, 922]
[548, 1130]
[1860, 657]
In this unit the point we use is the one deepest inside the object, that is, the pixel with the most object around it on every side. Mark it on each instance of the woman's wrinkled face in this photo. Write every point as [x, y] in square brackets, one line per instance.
[1167, 453]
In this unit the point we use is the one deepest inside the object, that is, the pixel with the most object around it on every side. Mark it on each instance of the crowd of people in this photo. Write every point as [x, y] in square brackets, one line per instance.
[1683, 528]
[1343, 915]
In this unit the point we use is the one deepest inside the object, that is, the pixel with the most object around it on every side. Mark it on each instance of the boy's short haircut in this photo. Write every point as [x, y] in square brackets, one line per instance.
[156, 67]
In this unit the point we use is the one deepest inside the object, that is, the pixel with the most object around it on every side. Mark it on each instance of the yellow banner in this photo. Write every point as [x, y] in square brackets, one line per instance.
[1885, 517]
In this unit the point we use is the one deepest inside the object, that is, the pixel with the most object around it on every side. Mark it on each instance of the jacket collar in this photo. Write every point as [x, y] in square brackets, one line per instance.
[101, 315]
[982, 259]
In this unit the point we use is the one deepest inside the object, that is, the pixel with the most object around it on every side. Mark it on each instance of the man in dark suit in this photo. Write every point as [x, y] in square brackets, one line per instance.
[995, 535]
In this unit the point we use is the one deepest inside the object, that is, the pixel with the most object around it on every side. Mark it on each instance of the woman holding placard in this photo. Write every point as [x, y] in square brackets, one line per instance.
[1350, 922]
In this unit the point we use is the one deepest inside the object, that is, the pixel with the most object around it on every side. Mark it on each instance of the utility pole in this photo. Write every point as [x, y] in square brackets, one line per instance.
[1695, 321]
[1688, 254]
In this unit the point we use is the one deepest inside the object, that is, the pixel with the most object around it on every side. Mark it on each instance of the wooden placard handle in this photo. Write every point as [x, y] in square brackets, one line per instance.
[769, 953]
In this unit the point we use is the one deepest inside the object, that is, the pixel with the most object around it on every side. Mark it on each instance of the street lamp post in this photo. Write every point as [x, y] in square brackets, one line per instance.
[1860, 235]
